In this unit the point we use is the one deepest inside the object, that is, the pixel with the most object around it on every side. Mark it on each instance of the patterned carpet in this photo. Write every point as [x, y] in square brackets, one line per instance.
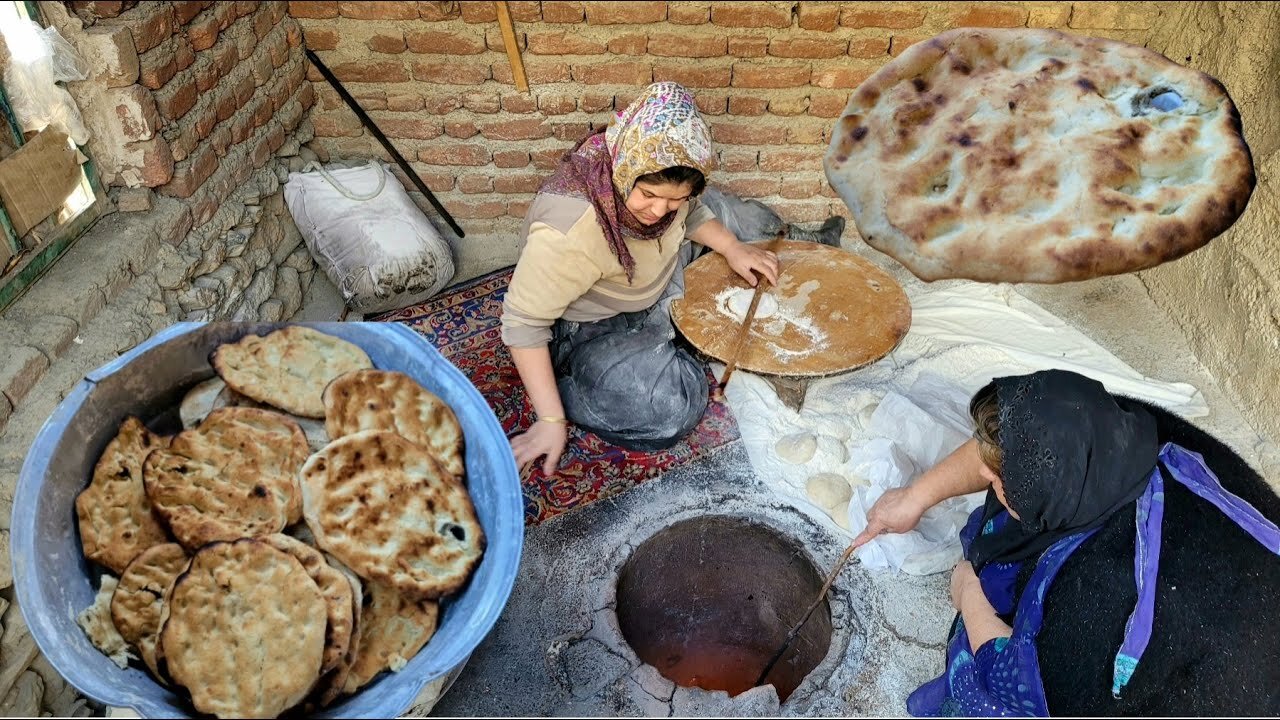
[463, 323]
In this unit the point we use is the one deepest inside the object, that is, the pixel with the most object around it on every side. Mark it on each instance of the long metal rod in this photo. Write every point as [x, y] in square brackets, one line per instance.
[373, 129]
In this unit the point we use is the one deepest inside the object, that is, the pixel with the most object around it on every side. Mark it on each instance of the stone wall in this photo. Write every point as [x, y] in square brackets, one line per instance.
[770, 77]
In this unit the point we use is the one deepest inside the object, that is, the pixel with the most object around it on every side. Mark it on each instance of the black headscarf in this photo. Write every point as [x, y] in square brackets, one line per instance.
[1070, 458]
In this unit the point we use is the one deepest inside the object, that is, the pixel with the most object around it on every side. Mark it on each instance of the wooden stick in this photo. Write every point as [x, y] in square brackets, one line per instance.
[745, 330]
[513, 50]
[848, 552]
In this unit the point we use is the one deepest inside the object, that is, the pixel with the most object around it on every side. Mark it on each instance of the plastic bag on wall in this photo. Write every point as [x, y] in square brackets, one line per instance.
[368, 236]
[40, 58]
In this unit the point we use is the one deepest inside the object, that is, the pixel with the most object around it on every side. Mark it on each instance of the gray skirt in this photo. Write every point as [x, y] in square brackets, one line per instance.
[625, 378]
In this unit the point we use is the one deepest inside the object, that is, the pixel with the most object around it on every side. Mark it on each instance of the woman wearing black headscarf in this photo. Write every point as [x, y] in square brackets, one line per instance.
[1123, 563]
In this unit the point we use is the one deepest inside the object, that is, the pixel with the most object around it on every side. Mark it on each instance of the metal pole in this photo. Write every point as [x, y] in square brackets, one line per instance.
[373, 129]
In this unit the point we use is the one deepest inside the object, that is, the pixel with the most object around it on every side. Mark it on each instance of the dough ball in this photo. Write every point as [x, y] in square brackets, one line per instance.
[833, 449]
[828, 490]
[798, 448]
[739, 301]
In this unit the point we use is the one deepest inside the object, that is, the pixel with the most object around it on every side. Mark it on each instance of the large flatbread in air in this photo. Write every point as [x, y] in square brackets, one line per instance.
[1038, 156]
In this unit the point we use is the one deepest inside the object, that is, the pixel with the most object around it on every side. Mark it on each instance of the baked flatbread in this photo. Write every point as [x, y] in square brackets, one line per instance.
[331, 684]
[288, 368]
[311, 427]
[95, 620]
[394, 629]
[336, 591]
[386, 400]
[385, 508]
[1038, 156]
[245, 630]
[139, 598]
[200, 401]
[116, 522]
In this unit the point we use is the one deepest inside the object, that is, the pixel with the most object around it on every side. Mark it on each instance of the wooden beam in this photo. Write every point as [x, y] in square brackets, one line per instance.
[513, 49]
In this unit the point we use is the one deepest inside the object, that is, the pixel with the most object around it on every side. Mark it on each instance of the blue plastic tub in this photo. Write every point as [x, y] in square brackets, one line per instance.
[54, 582]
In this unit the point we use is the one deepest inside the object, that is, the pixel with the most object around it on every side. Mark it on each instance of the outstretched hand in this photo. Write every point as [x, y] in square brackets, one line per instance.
[897, 511]
[744, 258]
[543, 438]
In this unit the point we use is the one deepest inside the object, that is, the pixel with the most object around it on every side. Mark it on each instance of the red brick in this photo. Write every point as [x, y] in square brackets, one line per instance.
[688, 13]
[562, 12]
[513, 184]
[203, 31]
[594, 102]
[750, 75]
[278, 47]
[410, 128]
[293, 33]
[494, 40]
[484, 103]
[263, 23]
[574, 131]
[740, 133]
[989, 15]
[139, 124]
[275, 136]
[448, 73]
[808, 47]
[747, 105]
[518, 208]
[750, 14]
[262, 69]
[563, 43]
[367, 10]
[157, 161]
[629, 44]
[801, 133]
[176, 100]
[738, 160]
[372, 100]
[791, 160]
[751, 187]
[525, 129]
[225, 106]
[788, 106]
[557, 104]
[245, 45]
[389, 43]
[313, 9]
[519, 104]
[445, 43]
[98, 9]
[307, 96]
[244, 90]
[537, 71]
[157, 68]
[512, 158]
[710, 103]
[461, 129]
[477, 210]
[475, 155]
[261, 111]
[320, 38]
[437, 10]
[673, 45]
[877, 18]
[473, 184]
[625, 13]
[192, 174]
[827, 105]
[225, 56]
[547, 159]
[525, 12]
[436, 182]
[221, 140]
[291, 114]
[839, 208]
[248, 7]
[899, 43]
[403, 102]
[475, 11]
[339, 124]
[748, 46]
[693, 76]
[869, 47]
[379, 71]
[839, 77]
[816, 16]
[802, 211]
[150, 25]
[616, 73]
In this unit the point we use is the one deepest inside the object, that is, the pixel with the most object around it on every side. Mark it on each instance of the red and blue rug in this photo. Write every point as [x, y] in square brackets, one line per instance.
[464, 324]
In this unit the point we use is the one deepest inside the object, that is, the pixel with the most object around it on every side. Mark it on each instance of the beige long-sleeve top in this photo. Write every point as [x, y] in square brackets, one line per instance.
[566, 269]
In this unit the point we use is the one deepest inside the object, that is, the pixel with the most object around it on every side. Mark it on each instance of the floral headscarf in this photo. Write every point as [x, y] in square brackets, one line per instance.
[659, 130]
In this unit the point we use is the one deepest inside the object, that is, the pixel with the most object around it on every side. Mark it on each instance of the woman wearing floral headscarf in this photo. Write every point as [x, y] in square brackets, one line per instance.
[603, 249]
[1124, 562]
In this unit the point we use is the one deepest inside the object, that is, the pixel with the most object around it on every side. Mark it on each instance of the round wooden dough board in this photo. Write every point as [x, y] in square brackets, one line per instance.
[836, 312]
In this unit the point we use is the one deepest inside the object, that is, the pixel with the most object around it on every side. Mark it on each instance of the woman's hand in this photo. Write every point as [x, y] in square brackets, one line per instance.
[745, 258]
[964, 582]
[980, 619]
[544, 438]
[897, 511]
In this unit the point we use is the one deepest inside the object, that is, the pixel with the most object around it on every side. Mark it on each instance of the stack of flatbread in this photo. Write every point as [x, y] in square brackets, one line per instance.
[293, 541]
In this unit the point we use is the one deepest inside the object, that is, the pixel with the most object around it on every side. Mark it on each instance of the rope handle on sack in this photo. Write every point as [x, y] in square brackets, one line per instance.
[382, 181]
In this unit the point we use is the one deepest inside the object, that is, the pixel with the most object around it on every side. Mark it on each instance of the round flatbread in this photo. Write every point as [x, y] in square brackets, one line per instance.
[1038, 156]
[115, 515]
[385, 508]
[245, 630]
[137, 604]
[201, 400]
[289, 368]
[336, 591]
[386, 400]
[331, 684]
[394, 629]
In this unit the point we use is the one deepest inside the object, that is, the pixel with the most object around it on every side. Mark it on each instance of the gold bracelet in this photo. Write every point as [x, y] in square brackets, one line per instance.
[553, 419]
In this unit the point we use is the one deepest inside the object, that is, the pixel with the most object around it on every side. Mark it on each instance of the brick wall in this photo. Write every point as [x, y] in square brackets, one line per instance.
[770, 78]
